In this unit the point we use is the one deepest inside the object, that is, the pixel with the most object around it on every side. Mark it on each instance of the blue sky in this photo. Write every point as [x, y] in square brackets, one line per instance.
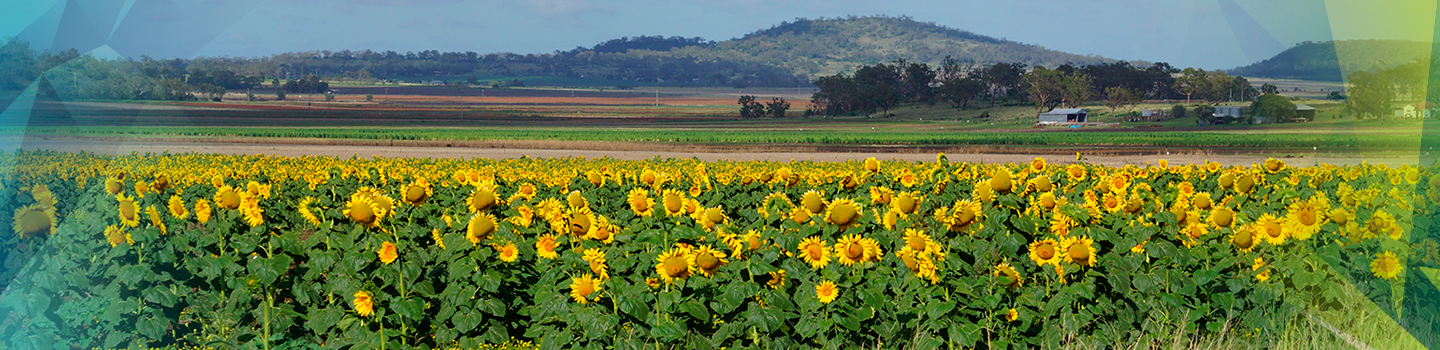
[1211, 34]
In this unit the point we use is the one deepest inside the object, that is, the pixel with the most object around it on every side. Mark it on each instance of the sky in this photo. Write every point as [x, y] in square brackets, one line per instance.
[1210, 34]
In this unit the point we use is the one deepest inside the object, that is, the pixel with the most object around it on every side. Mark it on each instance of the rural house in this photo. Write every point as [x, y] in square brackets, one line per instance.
[1303, 113]
[1064, 115]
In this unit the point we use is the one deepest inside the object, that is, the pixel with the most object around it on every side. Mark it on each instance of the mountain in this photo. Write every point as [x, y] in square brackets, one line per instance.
[1323, 60]
[824, 46]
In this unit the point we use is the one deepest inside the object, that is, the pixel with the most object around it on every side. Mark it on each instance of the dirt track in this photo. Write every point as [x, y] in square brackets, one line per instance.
[620, 151]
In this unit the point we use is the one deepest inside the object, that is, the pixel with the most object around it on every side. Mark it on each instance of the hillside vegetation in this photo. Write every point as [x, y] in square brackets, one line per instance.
[1330, 60]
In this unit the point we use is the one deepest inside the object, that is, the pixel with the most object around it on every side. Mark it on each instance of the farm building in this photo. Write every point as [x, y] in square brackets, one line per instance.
[1228, 112]
[1065, 115]
[1305, 112]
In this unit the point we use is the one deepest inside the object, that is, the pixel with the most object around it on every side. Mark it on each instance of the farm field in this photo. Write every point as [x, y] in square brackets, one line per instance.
[232, 251]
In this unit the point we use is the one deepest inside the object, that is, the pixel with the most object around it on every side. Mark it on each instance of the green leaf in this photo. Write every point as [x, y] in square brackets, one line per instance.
[410, 308]
[322, 319]
[466, 321]
[936, 309]
[151, 327]
[696, 310]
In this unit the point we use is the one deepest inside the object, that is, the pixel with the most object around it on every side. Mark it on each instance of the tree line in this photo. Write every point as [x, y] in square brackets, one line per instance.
[881, 87]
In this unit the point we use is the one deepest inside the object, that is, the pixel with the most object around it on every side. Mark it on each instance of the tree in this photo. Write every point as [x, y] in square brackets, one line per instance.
[999, 79]
[1075, 89]
[1177, 111]
[1370, 94]
[1274, 106]
[1191, 82]
[777, 107]
[879, 86]
[1269, 88]
[1117, 97]
[1045, 87]
[960, 90]
[749, 109]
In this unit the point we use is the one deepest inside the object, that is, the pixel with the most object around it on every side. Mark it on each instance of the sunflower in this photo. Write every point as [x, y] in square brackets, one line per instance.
[526, 191]
[1113, 203]
[772, 204]
[582, 287]
[1386, 265]
[799, 215]
[983, 192]
[891, 218]
[34, 220]
[852, 249]
[753, 241]
[596, 258]
[129, 211]
[1060, 224]
[604, 231]
[814, 252]
[1008, 276]
[1303, 219]
[545, 246]
[306, 213]
[1076, 172]
[480, 227]
[113, 186]
[674, 264]
[712, 216]
[1040, 183]
[115, 235]
[250, 210]
[813, 202]
[1273, 165]
[1045, 251]
[1245, 183]
[1193, 232]
[227, 197]
[1244, 238]
[881, 195]
[576, 201]
[202, 210]
[673, 201]
[707, 261]
[364, 306]
[1381, 222]
[1221, 217]
[640, 202]
[595, 177]
[921, 264]
[387, 253]
[526, 217]
[43, 196]
[1038, 165]
[907, 178]
[155, 219]
[1226, 181]
[872, 165]
[1012, 315]
[1080, 250]
[438, 238]
[826, 292]
[1201, 201]
[907, 202]
[482, 198]
[920, 243]
[965, 214]
[507, 252]
[843, 213]
[1118, 182]
[1001, 180]
[1270, 229]
[777, 279]
[363, 211]
[418, 191]
[177, 208]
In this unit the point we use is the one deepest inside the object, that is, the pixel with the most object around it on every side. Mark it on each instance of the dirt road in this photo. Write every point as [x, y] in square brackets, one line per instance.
[593, 150]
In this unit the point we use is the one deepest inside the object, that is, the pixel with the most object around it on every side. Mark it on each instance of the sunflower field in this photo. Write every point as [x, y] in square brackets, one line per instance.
[264, 252]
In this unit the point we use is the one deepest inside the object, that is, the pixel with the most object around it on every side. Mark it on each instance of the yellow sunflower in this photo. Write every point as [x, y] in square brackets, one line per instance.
[1001, 180]
[113, 186]
[1076, 173]
[387, 253]
[1221, 217]
[305, 212]
[115, 235]
[155, 219]
[674, 264]
[202, 210]
[1244, 238]
[545, 246]
[1303, 219]
[872, 165]
[507, 252]
[582, 287]
[1270, 229]
[1080, 250]
[1045, 251]
[364, 306]
[881, 195]
[177, 208]
[418, 191]
[907, 202]
[250, 210]
[438, 238]
[843, 213]
[526, 191]
[813, 202]
[596, 258]
[673, 202]
[526, 217]
[1273, 165]
[1386, 265]
[1012, 315]
[640, 202]
[482, 198]
[776, 203]
[604, 231]
[34, 220]
[1008, 276]
[128, 210]
[227, 198]
[965, 214]
[707, 261]
[853, 249]
[814, 252]
[576, 200]
[363, 211]
[777, 279]
[480, 227]
[1118, 182]
[712, 216]
[826, 292]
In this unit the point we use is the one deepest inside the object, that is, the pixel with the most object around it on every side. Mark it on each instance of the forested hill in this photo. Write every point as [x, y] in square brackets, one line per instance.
[814, 47]
[1322, 61]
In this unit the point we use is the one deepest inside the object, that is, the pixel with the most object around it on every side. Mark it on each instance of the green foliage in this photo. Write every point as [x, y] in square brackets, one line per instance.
[1322, 60]
[1274, 106]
